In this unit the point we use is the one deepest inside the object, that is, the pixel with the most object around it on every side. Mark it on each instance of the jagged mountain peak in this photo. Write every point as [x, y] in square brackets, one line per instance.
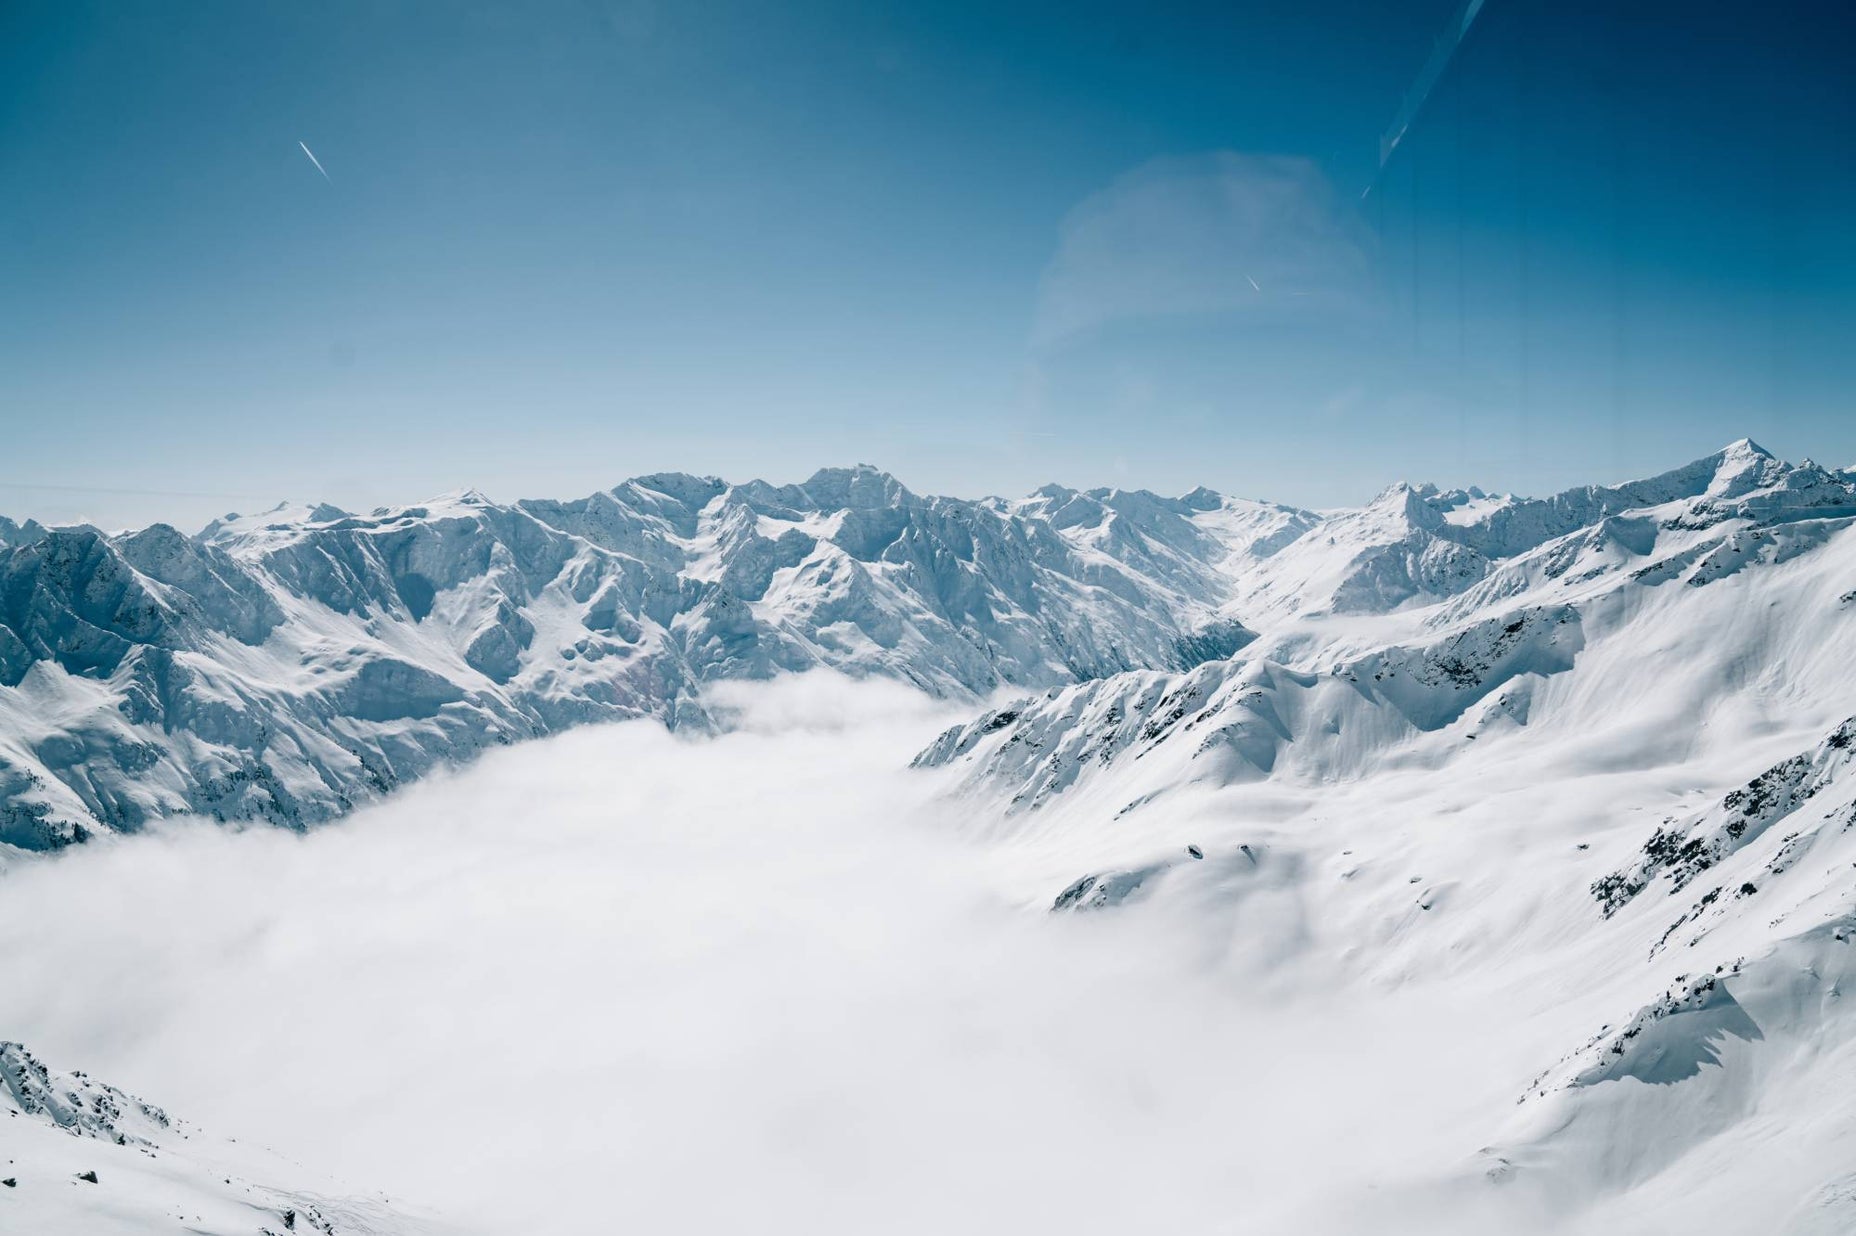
[12, 533]
[1742, 465]
[1201, 498]
[690, 491]
[860, 487]
[1404, 503]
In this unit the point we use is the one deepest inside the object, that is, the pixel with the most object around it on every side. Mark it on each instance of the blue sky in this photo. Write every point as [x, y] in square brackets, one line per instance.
[983, 246]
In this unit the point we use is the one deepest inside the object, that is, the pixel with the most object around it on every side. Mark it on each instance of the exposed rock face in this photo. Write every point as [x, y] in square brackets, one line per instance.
[1683, 850]
[75, 1103]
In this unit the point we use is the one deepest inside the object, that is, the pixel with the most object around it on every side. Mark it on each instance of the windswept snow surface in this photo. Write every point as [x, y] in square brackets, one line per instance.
[1504, 879]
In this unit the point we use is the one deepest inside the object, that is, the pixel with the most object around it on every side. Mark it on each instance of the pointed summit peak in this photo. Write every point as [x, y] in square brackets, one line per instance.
[1743, 465]
[1202, 499]
[1405, 501]
[449, 500]
[469, 496]
[1745, 448]
[1393, 496]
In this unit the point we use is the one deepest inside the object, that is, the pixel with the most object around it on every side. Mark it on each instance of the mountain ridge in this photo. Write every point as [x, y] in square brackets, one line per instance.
[288, 665]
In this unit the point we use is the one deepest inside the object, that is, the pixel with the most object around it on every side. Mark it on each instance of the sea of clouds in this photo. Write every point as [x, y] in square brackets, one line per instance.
[623, 980]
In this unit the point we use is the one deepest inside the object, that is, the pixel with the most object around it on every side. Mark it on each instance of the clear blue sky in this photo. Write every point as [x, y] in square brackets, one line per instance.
[981, 245]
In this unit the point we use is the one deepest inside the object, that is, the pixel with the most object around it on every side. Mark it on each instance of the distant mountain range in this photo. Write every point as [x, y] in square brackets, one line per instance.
[1428, 619]
[288, 665]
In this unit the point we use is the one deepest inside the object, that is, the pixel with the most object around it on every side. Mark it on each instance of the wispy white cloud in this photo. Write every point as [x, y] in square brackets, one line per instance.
[1210, 233]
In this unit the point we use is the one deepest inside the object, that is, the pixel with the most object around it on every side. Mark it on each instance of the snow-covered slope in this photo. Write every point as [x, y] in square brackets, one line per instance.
[1589, 758]
[82, 1156]
[1395, 637]
[285, 666]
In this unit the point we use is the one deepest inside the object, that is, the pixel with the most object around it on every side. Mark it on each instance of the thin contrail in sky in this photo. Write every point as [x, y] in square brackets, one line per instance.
[1441, 53]
[1253, 282]
[316, 161]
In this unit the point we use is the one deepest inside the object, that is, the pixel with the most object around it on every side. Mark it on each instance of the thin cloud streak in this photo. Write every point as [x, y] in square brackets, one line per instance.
[1195, 235]
[316, 161]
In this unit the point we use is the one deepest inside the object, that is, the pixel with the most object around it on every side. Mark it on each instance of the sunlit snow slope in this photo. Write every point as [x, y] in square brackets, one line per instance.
[1590, 759]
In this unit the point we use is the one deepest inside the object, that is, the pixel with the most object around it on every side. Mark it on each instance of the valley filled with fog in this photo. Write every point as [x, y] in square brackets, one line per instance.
[777, 980]
[622, 978]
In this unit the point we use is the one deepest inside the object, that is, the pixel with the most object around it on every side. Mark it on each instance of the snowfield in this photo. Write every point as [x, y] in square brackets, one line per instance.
[1459, 863]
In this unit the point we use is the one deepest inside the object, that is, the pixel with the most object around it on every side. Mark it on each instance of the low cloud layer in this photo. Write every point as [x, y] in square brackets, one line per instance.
[625, 981]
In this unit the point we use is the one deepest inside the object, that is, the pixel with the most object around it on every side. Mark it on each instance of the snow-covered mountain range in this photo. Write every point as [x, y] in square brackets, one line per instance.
[1401, 632]
[286, 666]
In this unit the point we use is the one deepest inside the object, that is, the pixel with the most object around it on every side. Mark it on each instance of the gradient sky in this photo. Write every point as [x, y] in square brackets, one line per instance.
[983, 246]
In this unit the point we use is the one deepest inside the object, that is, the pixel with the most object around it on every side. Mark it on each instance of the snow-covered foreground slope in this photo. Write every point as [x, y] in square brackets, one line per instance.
[81, 1156]
[286, 666]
